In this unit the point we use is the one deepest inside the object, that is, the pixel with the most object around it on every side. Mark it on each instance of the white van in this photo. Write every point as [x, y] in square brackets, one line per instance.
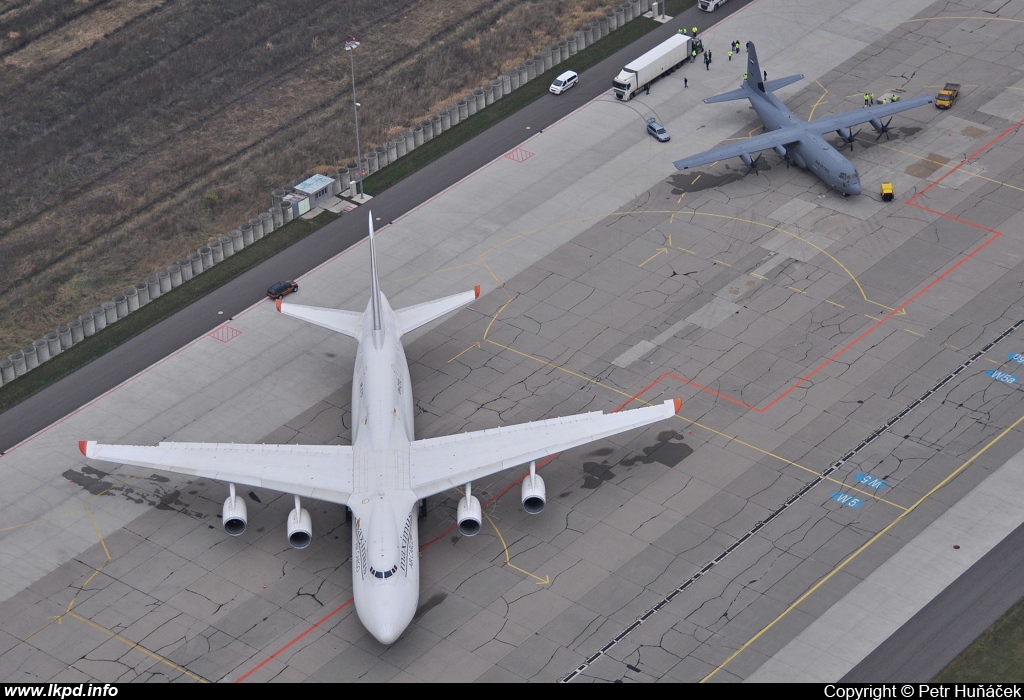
[563, 82]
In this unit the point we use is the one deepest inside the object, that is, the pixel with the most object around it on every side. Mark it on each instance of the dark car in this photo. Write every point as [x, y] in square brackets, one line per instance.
[281, 289]
[657, 130]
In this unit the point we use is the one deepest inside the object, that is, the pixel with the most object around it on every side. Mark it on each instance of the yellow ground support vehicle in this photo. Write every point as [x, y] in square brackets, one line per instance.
[947, 95]
[887, 192]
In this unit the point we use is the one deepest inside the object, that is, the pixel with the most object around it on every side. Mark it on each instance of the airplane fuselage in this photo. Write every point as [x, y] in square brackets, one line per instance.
[811, 151]
[385, 534]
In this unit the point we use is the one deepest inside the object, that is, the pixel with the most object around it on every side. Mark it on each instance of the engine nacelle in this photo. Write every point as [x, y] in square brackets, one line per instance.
[234, 515]
[469, 514]
[795, 159]
[876, 124]
[300, 526]
[534, 492]
[781, 150]
[747, 160]
[845, 134]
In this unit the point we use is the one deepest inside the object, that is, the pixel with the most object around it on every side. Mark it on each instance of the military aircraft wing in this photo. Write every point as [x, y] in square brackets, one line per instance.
[323, 472]
[866, 114]
[761, 142]
[442, 463]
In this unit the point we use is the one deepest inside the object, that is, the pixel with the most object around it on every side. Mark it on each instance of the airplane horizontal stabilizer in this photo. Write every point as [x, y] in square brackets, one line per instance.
[442, 463]
[349, 323]
[412, 317]
[738, 94]
[773, 85]
[323, 472]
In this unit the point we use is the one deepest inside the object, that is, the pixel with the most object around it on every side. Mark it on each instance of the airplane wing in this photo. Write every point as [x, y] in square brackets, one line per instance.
[761, 142]
[443, 463]
[866, 114]
[323, 472]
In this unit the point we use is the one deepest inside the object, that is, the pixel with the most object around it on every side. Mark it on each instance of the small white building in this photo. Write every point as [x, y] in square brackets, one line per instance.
[316, 189]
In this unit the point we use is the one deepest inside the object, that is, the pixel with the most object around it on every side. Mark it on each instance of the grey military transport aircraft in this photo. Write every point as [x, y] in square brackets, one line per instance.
[799, 142]
[386, 471]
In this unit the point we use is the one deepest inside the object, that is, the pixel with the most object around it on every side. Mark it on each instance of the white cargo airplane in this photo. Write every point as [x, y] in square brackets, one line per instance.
[386, 472]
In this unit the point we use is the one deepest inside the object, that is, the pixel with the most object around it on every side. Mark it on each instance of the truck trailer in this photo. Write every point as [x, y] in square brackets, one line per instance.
[663, 58]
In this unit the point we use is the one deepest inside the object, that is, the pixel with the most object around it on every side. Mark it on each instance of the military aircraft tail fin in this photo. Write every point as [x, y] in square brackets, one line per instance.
[753, 76]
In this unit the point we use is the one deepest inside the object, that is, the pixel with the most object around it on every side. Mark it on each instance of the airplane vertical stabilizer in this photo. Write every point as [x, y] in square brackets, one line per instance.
[754, 76]
[378, 327]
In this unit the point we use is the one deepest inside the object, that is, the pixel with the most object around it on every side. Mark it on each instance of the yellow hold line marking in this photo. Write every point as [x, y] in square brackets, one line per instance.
[719, 262]
[919, 335]
[795, 289]
[834, 304]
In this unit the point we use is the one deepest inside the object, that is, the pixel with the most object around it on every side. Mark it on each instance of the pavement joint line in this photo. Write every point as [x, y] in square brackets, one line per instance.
[138, 647]
[864, 547]
[804, 490]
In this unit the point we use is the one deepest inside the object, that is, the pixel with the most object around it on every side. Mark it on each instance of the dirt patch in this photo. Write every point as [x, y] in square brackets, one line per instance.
[974, 132]
[927, 166]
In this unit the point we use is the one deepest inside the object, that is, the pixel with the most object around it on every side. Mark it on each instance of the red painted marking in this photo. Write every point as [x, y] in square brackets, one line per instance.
[319, 622]
[225, 334]
[914, 297]
[519, 155]
[82, 445]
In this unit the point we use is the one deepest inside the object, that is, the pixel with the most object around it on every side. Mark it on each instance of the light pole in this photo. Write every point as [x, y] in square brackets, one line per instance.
[350, 46]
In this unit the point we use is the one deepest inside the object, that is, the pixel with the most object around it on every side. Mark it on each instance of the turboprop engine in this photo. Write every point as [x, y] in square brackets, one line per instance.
[300, 526]
[469, 514]
[234, 515]
[534, 492]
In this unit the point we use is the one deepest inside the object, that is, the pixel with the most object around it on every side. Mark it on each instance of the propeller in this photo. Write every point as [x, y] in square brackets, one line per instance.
[847, 137]
[750, 162]
[882, 128]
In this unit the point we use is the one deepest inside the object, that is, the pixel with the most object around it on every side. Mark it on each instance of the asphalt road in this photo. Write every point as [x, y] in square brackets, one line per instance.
[63, 397]
[956, 617]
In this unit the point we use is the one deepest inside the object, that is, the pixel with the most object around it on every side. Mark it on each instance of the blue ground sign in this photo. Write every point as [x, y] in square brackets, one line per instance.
[1016, 357]
[846, 499]
[1001, 376]
[872, 482]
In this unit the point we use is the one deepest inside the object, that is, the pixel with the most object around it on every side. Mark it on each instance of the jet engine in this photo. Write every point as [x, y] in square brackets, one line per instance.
[534, 493]
[234, 514]
[469, 513]
[300, 526]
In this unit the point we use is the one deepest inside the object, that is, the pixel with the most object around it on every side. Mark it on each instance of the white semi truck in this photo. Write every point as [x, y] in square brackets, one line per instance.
[663, 58]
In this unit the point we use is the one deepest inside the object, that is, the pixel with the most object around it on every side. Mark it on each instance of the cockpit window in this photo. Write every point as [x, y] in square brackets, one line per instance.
[384, 574]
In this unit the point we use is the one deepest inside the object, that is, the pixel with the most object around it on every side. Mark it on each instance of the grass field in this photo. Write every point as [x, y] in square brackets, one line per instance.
[997, 656]
[136, 130]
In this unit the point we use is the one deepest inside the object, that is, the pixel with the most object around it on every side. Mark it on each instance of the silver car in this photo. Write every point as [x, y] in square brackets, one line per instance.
[657, 130]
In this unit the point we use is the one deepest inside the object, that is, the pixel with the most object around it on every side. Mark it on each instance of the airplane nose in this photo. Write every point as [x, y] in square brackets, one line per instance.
[854, 187]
